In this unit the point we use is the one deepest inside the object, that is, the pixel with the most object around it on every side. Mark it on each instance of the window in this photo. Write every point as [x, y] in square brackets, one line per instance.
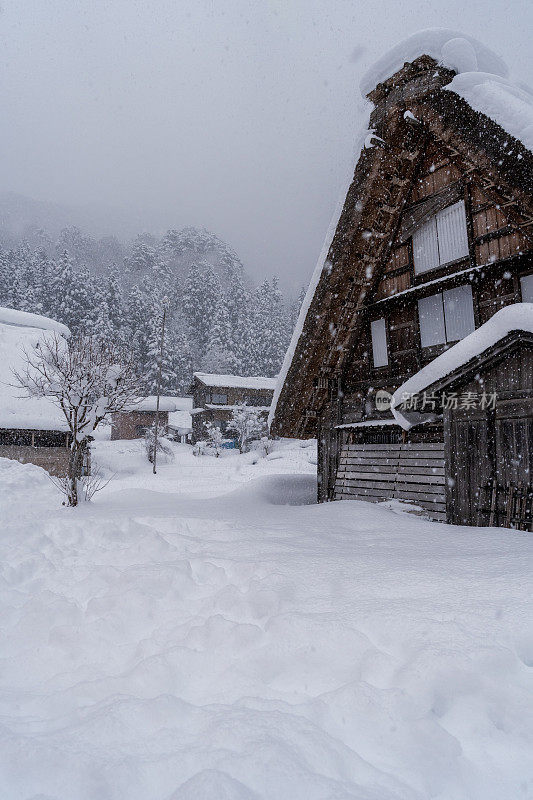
[446, 317]
[526, 285]
[258, 400]
[219, 399]
[379, 343]
[443, 238]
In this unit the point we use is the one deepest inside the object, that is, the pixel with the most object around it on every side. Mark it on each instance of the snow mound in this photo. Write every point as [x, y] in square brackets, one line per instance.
[211, 784]
[452, 49]
[516, 317]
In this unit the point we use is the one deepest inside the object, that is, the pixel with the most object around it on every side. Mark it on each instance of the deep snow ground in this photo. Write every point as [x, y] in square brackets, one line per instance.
[190, 635]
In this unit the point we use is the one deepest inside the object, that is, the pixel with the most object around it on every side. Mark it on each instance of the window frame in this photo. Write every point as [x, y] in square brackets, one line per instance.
[434, 219]
[219, 402]
[445, 323]
[386, 342]
[524, 278]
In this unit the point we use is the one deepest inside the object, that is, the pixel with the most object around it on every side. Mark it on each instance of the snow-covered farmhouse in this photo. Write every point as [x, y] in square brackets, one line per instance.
[433, 237]
[216, 396]
[32, 429]
[134, 421]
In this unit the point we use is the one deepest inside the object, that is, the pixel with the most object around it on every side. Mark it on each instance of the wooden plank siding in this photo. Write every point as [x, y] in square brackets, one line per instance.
[411, 471]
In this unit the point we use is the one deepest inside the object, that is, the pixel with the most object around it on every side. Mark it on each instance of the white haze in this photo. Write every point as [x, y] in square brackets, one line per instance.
[232, 115]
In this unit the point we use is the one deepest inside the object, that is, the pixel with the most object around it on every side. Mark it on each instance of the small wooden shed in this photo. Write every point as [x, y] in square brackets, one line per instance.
[483, 387]
[133, 422]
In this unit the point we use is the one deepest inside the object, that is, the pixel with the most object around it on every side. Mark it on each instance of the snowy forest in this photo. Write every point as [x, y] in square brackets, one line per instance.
[218, 321]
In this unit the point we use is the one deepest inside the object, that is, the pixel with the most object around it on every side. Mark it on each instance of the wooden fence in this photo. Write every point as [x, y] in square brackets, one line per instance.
[377, 472]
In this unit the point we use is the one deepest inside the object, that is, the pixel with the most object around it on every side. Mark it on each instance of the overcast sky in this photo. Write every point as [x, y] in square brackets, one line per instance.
[234, 115]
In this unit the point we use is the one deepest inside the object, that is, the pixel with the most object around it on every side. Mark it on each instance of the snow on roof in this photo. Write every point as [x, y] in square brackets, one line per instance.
[181, 419]
[504, 102]
[481, 77]
[10, 316]
[236, 381]
[368, 423]
[150, 403]
[453, 49]
[516, 317]
[322, 264]
[16, 409]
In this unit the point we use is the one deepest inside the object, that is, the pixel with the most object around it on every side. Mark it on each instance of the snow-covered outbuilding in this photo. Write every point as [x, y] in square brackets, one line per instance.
[216, 396]
[134, 421]
[180, 420]
[432, 237]
[482, 387]
[32, 429]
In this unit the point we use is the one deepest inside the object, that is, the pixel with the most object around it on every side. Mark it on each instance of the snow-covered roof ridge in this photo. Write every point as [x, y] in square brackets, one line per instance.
[516, 317]
[452, 49]
[236, 381]
[25, 319]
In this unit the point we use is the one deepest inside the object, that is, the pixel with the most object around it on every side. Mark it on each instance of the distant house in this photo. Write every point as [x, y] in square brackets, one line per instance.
[180, 421]
[32, 429]
[133, 422]
[216, 396]
[435, 237]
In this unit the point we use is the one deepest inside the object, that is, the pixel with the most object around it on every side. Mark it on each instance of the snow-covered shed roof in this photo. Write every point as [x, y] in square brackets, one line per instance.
[150, 403]
[20, 332]
[24, 319]
[516, 317]
[236, 381]
[181, 419]
[481, 81]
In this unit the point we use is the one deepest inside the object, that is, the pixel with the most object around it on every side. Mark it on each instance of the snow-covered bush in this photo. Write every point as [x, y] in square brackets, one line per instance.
[248, 423]
[214, 438]
[199, 448]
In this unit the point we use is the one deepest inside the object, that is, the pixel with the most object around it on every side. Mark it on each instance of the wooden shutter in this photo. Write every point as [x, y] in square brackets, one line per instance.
[526, 284]
[425, 246]
[451, 233]
[431, 315]
[379, 343]
[458, 312]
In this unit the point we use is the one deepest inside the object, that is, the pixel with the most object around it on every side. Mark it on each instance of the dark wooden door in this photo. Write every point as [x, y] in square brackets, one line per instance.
[470, 455]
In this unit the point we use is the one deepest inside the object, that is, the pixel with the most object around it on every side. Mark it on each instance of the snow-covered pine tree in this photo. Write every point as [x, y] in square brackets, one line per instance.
[219, 356]
[269, 331]
[182, 360]
[139, 313]
[151, 372]
[102, 327]
[142, 257]
[113, 296]
[4, 278]
[238, 308]
[201, 295]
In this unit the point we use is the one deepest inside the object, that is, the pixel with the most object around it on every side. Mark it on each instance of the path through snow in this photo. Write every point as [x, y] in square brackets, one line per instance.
[209, 641]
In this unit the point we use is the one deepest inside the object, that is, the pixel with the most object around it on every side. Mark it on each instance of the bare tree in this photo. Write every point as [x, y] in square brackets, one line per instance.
[89, 380]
